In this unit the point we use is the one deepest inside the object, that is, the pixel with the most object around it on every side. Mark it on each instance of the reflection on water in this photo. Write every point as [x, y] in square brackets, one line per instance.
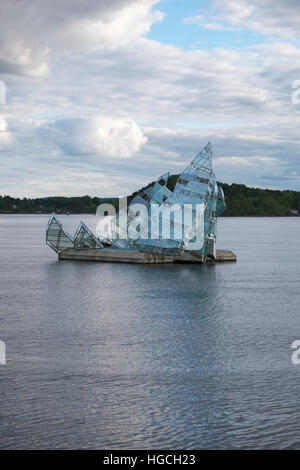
[131, 356]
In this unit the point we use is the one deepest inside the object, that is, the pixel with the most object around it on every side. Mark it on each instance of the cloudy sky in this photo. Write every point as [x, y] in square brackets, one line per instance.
[103, 96]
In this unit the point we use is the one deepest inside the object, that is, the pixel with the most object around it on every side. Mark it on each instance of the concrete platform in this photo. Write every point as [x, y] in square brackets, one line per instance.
[222, 256]
[127, 256]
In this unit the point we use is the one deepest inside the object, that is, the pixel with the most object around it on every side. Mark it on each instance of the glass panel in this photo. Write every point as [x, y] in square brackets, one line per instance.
[84, 238]
[56, 237]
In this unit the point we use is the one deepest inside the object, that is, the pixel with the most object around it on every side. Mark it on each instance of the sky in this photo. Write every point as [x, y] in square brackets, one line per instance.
[101, 97]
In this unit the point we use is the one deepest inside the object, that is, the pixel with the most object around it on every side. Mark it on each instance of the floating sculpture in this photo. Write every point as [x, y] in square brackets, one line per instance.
[84, 238]
[56, 237]
[158, 221]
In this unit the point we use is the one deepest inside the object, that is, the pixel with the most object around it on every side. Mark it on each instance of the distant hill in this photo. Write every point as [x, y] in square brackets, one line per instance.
[240, 201]
[57, 204]
[244, 201]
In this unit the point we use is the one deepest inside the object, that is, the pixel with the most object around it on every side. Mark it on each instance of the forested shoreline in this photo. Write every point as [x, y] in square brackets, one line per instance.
[240, 201]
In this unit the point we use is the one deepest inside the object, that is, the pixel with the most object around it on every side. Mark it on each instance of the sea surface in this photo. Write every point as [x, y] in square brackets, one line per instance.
[112, 356]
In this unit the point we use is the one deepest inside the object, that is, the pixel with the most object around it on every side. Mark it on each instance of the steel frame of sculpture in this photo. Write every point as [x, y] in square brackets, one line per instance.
[85, 239]
[196, 194]
[56, 237]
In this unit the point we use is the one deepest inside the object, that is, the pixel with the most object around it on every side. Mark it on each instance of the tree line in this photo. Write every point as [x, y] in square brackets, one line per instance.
[240, 201]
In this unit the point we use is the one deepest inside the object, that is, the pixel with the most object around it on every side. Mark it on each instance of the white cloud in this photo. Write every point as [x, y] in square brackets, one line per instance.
[35, 31]
[233, 161]
[6, 138]
[3, 125]
[92, 104]
[268, 17]
[207, 21]
[95, 136]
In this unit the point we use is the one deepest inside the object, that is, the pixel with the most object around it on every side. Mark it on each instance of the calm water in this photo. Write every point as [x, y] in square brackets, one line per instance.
[108, 356]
